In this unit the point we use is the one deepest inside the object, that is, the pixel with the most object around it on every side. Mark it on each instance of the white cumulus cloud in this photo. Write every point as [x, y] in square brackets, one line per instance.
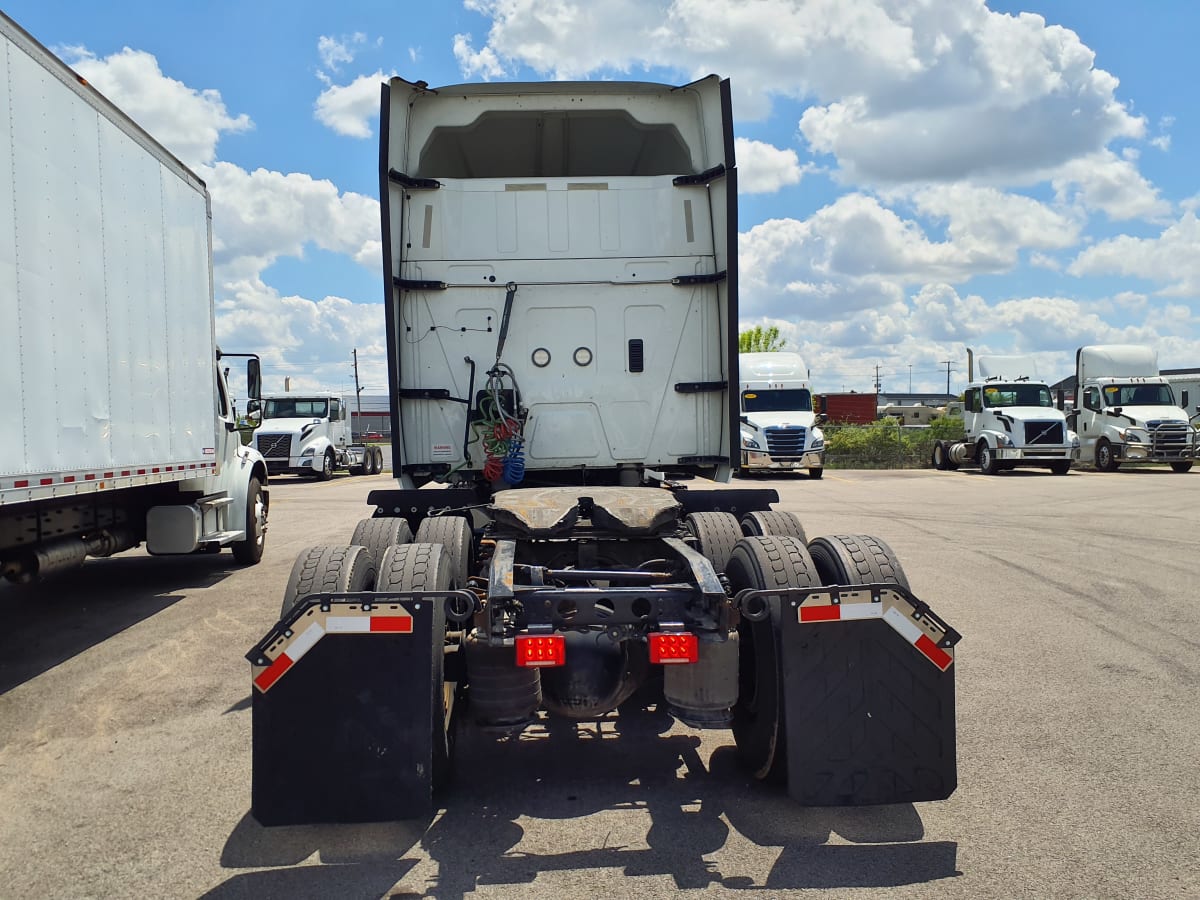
[349, 109]
[764, 168]
[188, 122]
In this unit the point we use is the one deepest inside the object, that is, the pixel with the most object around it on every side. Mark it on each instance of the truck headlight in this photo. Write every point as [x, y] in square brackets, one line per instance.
[1128, 434]
[1073, 440]
[1003, 440]
[309, 451]
[818, 440]
[749, 443]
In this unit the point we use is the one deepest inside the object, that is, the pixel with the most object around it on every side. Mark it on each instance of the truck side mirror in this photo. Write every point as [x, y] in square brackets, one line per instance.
[254, 380]
[821, 419]
[254, 415]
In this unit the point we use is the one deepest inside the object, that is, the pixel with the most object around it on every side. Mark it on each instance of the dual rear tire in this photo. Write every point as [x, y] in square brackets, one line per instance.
[762, 562]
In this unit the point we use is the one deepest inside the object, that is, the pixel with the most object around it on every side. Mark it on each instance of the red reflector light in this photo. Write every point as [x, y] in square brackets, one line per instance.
[668, 647]
[536, 650]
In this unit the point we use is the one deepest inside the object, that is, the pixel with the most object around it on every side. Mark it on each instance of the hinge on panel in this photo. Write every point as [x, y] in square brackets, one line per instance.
[423, 394]
[407, 181]
[710, 278]
[410, 284]
[717, 171]
[700, 387]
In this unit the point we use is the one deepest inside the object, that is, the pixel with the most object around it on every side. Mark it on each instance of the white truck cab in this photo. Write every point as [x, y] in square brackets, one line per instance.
[779, 429]
[1127, 412]
[1009, 420]
[308, 434]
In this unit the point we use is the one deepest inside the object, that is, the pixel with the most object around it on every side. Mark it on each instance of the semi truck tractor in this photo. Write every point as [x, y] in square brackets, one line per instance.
[1009, 420]
[122, 428]
[308, 434]
[1125, 412]
[560, 273]
[778, 425]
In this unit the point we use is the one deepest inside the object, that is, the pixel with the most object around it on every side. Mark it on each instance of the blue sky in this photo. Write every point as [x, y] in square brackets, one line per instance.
[917, 177]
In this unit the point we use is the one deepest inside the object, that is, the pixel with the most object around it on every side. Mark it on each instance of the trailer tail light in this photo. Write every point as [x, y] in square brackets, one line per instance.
[670, 647]
[540, 650]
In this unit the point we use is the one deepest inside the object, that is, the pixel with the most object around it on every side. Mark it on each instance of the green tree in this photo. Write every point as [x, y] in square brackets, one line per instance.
[760, 340]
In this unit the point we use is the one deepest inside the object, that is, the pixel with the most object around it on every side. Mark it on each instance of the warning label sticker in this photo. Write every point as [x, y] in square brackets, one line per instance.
[442, 452]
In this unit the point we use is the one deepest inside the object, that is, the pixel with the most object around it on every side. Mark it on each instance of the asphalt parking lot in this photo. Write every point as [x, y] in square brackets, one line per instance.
[125, 726]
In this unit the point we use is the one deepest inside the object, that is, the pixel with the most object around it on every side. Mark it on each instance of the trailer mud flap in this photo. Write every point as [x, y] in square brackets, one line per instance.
[347, 701]
[868, 679]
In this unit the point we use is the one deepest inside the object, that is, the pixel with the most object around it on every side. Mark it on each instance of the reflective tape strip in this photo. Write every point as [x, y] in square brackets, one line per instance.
[841, 612]
[392, 624]
[307, 639]
[861, 611]
[348, 624]
[271, 673]
[401, 624]
[911, 632]
[830, 613]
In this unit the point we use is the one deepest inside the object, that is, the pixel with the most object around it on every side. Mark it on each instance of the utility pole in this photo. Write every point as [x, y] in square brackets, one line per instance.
[877, 384]
[910, 378]
[357, 392]
[946, 363]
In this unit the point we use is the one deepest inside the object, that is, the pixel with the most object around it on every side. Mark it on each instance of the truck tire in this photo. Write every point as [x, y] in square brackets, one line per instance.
[856, 559]
[1106, 460]
[428, 567]
[988, 464]
[716, 534]
[940, 457]
[380, 533]
[328, 570]
[327, 464]
[249, 551]
[1181, 466]
[816, 472]
[776, 524]
[1061, 468]
[453, 533]
[759, 729]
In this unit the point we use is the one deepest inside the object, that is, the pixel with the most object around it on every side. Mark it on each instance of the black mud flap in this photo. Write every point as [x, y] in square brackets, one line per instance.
[343, 710]
[869, 697]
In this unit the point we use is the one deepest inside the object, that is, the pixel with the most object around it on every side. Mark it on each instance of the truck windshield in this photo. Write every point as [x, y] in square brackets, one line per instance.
[1017, 395]
[295, 408]
[1138, 395]
[787, 400]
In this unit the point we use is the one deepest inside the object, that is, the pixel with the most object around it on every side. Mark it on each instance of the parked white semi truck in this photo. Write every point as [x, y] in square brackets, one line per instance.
[779, 430]
[1126, 412]
[120, 426]
[308, 434]
[560, 266]
[1009, 419]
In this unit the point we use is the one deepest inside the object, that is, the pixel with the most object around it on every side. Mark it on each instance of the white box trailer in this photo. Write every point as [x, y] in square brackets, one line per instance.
[121, 428]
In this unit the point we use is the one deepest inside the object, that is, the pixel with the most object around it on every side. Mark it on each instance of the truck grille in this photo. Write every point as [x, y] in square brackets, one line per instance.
[1043, 433]
[275, 446]
[1169, 439]
[786, 441]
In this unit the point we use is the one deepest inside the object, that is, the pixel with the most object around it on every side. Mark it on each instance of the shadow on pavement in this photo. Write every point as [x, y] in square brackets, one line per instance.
[50, 621]
[567, 771]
